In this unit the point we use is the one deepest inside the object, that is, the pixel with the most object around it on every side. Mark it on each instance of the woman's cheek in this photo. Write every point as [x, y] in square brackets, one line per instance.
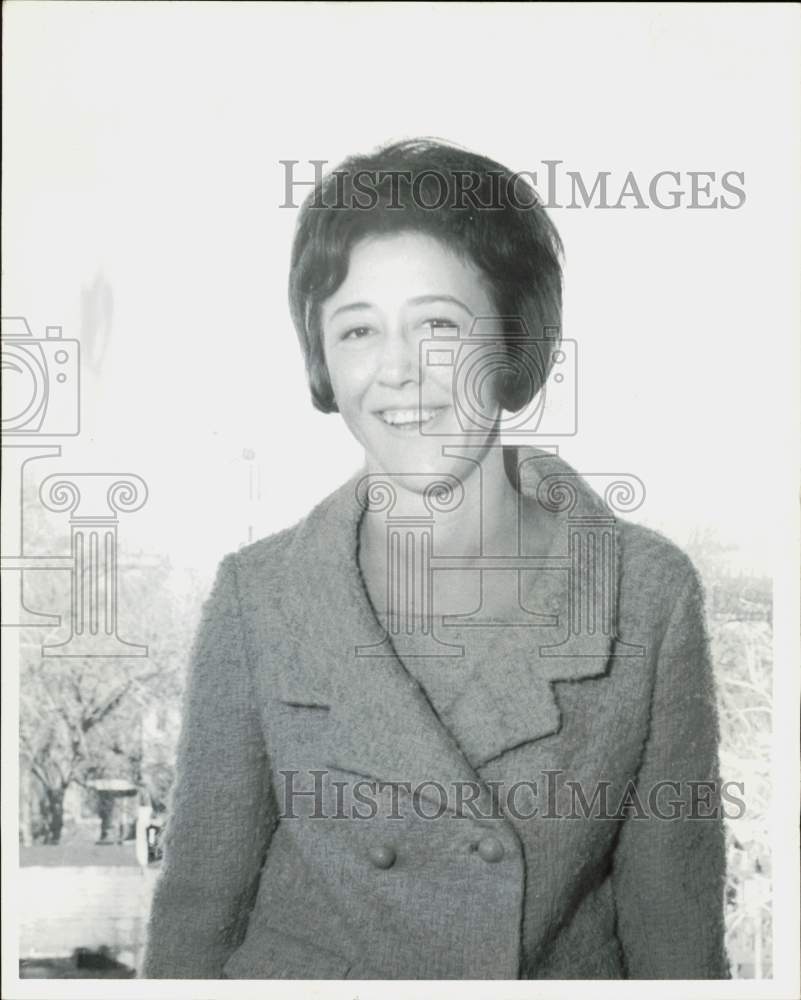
[349, 393]
[355, 375]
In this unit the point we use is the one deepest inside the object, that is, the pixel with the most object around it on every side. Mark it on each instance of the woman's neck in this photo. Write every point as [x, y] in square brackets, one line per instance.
[484, 522]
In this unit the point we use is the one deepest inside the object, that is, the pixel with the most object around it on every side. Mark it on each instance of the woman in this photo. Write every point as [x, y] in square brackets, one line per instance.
[459, 722]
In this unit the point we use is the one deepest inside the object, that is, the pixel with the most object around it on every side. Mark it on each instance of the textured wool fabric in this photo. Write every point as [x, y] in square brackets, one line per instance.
[451, 684]
[325, 823]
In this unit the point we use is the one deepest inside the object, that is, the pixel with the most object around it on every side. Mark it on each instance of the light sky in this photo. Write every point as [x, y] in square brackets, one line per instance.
[141, 167]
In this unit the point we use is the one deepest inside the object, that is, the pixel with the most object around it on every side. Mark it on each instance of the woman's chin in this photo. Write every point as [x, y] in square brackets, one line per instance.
[420, 454]
[415, 462]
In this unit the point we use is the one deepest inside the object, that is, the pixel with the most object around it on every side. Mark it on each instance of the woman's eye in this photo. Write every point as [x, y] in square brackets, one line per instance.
[356, 333]
[440, 323]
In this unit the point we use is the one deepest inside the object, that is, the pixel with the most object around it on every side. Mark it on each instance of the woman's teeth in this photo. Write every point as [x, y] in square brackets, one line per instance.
[408, 418]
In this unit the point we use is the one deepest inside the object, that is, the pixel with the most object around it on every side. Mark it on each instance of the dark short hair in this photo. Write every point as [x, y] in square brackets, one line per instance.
[479, 209]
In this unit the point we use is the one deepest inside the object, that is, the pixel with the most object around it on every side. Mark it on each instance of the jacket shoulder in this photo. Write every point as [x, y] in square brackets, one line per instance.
[265, 549]
[649, 554]
[656, 579]
[644, 552]
[299, 540]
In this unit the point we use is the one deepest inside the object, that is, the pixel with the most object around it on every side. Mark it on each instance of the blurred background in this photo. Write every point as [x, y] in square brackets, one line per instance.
[141, 215]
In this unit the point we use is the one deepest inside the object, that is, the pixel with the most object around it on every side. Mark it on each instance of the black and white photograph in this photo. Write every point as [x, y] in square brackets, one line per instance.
[400, 509]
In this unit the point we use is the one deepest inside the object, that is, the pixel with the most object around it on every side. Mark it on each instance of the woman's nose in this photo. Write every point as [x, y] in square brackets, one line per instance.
[399, 360]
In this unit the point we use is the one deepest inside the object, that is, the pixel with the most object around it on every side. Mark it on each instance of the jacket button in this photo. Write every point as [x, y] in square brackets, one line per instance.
[382, 856]
[490, 849]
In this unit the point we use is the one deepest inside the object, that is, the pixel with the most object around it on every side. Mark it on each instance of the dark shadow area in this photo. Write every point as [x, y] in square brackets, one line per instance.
[85, 963]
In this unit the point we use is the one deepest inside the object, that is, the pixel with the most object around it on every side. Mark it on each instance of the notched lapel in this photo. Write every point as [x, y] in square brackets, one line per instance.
[511, 700]
[382, 725]
[569, 537]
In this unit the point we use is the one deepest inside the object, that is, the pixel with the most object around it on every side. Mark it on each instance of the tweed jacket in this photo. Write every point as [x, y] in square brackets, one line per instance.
[326, 824]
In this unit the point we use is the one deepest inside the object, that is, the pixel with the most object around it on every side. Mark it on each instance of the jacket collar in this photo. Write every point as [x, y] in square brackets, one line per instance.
[384, 725]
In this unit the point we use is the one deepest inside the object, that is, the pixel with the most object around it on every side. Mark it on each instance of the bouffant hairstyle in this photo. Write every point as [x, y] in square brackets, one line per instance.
[477, 208]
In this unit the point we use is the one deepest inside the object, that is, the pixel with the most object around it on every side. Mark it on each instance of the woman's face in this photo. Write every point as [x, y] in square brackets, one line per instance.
[401, 290]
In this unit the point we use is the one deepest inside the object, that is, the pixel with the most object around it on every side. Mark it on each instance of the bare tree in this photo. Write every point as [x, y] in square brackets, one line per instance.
[81, 718]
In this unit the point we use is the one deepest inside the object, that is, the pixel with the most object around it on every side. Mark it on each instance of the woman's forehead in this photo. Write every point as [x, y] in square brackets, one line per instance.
[407, 268]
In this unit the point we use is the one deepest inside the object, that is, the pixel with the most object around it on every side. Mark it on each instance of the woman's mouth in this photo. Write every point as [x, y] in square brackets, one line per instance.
[410, 420]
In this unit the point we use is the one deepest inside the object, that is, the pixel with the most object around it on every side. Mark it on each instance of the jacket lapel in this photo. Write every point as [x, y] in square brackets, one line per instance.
[383, 725]
[512, 702]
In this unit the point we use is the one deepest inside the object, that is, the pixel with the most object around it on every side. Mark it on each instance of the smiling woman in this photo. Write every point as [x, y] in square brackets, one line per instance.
[459, 722]
[418, 290]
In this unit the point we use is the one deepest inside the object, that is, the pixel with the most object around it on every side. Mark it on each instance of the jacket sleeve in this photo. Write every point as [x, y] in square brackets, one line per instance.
[670, 864]
[222, 811]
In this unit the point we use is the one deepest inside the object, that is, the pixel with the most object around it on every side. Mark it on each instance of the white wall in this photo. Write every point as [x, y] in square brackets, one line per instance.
[142, 146]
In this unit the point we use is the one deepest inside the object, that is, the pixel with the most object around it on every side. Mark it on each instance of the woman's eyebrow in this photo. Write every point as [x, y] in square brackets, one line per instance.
[424, 299]
[416, 301]
[351, 305]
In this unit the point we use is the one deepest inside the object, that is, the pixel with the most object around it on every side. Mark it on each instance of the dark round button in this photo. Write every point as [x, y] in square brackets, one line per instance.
[490, 849]
[382, 856]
